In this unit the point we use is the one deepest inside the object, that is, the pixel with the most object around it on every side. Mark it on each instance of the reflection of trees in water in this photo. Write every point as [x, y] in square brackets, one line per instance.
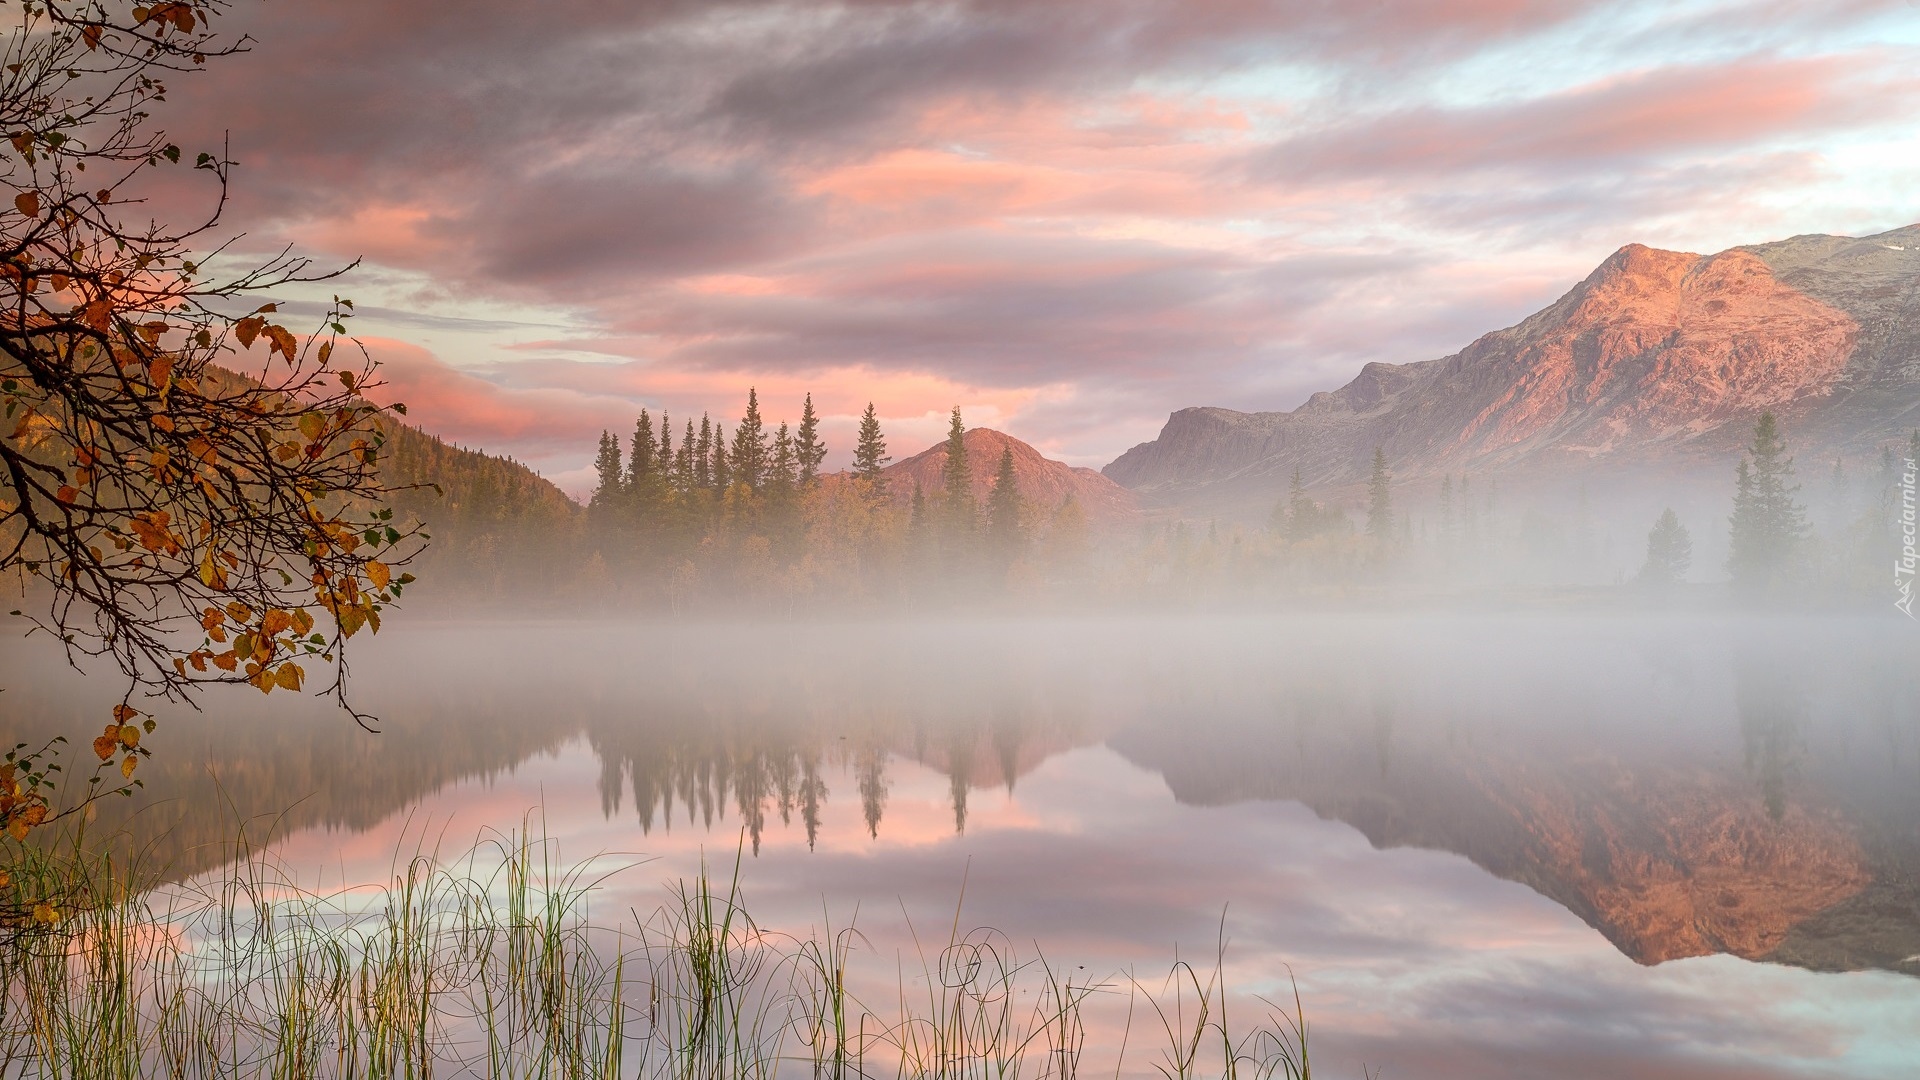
[722, 748]
[1770, 696]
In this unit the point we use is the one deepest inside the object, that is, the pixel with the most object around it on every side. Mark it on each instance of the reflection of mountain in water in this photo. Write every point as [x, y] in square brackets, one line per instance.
[1684, 789]
[1773, 819]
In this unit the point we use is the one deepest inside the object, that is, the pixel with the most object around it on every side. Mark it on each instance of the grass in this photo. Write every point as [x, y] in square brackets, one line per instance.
[493, 964]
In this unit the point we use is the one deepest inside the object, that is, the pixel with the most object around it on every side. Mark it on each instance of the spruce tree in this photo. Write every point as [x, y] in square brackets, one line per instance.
[917, 523]
[1768, 527]
[1005, 533]
[663, 453]
[1301, 512]
[721, 469]
[1380, 500]
[640, 458]
[692, 467]
[783, 469]
[870, 453]
[1669, 552]
[611, 484]
[957, 482]
[808, 450]
[702, 453]
[750, 447]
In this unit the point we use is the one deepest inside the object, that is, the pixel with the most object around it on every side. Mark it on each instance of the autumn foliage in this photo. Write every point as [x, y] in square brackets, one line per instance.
[162, 511]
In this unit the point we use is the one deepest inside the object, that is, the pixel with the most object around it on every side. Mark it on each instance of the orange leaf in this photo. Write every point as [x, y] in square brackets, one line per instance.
[378, 573]
[98, 315]
[28, 203]
[283, 341]
[66, 494]
[91, 35]
[248, 329]
[104, 746]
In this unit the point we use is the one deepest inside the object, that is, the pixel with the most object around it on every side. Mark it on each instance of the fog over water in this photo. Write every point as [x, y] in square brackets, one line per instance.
[1514, 845]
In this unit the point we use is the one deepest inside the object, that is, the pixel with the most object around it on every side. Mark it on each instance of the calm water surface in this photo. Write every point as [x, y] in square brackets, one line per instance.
[1511, 846]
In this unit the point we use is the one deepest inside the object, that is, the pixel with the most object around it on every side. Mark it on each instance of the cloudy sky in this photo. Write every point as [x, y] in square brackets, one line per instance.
[1069, 217]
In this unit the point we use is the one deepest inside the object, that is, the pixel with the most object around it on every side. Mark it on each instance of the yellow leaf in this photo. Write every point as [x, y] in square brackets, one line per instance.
[18, 829]
[129, 736]
[212, 574]
[44, 914]
[127, 765]
[313, 424]
[378, 573]
[289, 676]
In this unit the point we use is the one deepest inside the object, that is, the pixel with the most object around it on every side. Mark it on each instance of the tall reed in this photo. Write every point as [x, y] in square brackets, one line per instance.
[493, 964]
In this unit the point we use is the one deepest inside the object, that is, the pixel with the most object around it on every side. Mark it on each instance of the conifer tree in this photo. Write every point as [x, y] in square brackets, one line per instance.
[1446, 511]
[808, 450]
[721, 470]
[1669, 552]
[870, 453]
[917, 523]
[691, 466]
[1380, 500]
[1301, 512]
[611, 484]
[1768, 526]
[783, 469]
[640, 458]
[957, 482]
[1005, 532]
[664, 463]
[749, 463]
[703, 454]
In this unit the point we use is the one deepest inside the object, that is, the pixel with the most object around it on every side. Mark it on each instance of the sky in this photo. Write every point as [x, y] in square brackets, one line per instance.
[1066, 218]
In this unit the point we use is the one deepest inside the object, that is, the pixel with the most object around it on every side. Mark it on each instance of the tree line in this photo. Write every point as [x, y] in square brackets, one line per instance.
[696, 512]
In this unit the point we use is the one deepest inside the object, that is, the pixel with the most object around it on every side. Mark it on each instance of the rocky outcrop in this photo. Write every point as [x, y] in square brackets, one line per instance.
[1657, 356]
[1043, 482]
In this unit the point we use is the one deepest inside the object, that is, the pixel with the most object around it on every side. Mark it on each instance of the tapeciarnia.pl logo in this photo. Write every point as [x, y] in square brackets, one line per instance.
[1903, 567]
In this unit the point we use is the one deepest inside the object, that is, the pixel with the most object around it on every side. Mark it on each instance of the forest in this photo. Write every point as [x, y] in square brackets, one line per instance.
[691, 515]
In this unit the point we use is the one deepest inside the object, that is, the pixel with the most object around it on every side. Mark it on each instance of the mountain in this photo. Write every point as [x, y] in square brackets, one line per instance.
[1043, 482]
[495, 524]
[1658, 357]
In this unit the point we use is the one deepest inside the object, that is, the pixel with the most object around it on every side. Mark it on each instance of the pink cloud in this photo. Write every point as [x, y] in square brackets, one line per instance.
[1684, 110]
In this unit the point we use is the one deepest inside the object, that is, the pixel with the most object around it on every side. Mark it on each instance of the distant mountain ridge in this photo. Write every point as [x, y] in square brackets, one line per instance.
[1043, 482]
[1656, 357]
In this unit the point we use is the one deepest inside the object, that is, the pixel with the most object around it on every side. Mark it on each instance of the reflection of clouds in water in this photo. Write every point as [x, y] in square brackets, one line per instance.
[1414, 959]
[1124, 780]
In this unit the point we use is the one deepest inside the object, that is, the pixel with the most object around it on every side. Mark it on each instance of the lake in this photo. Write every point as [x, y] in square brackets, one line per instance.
[1515, 845]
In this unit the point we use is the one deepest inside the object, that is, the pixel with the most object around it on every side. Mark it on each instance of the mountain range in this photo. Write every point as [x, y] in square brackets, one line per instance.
[1657, 358]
